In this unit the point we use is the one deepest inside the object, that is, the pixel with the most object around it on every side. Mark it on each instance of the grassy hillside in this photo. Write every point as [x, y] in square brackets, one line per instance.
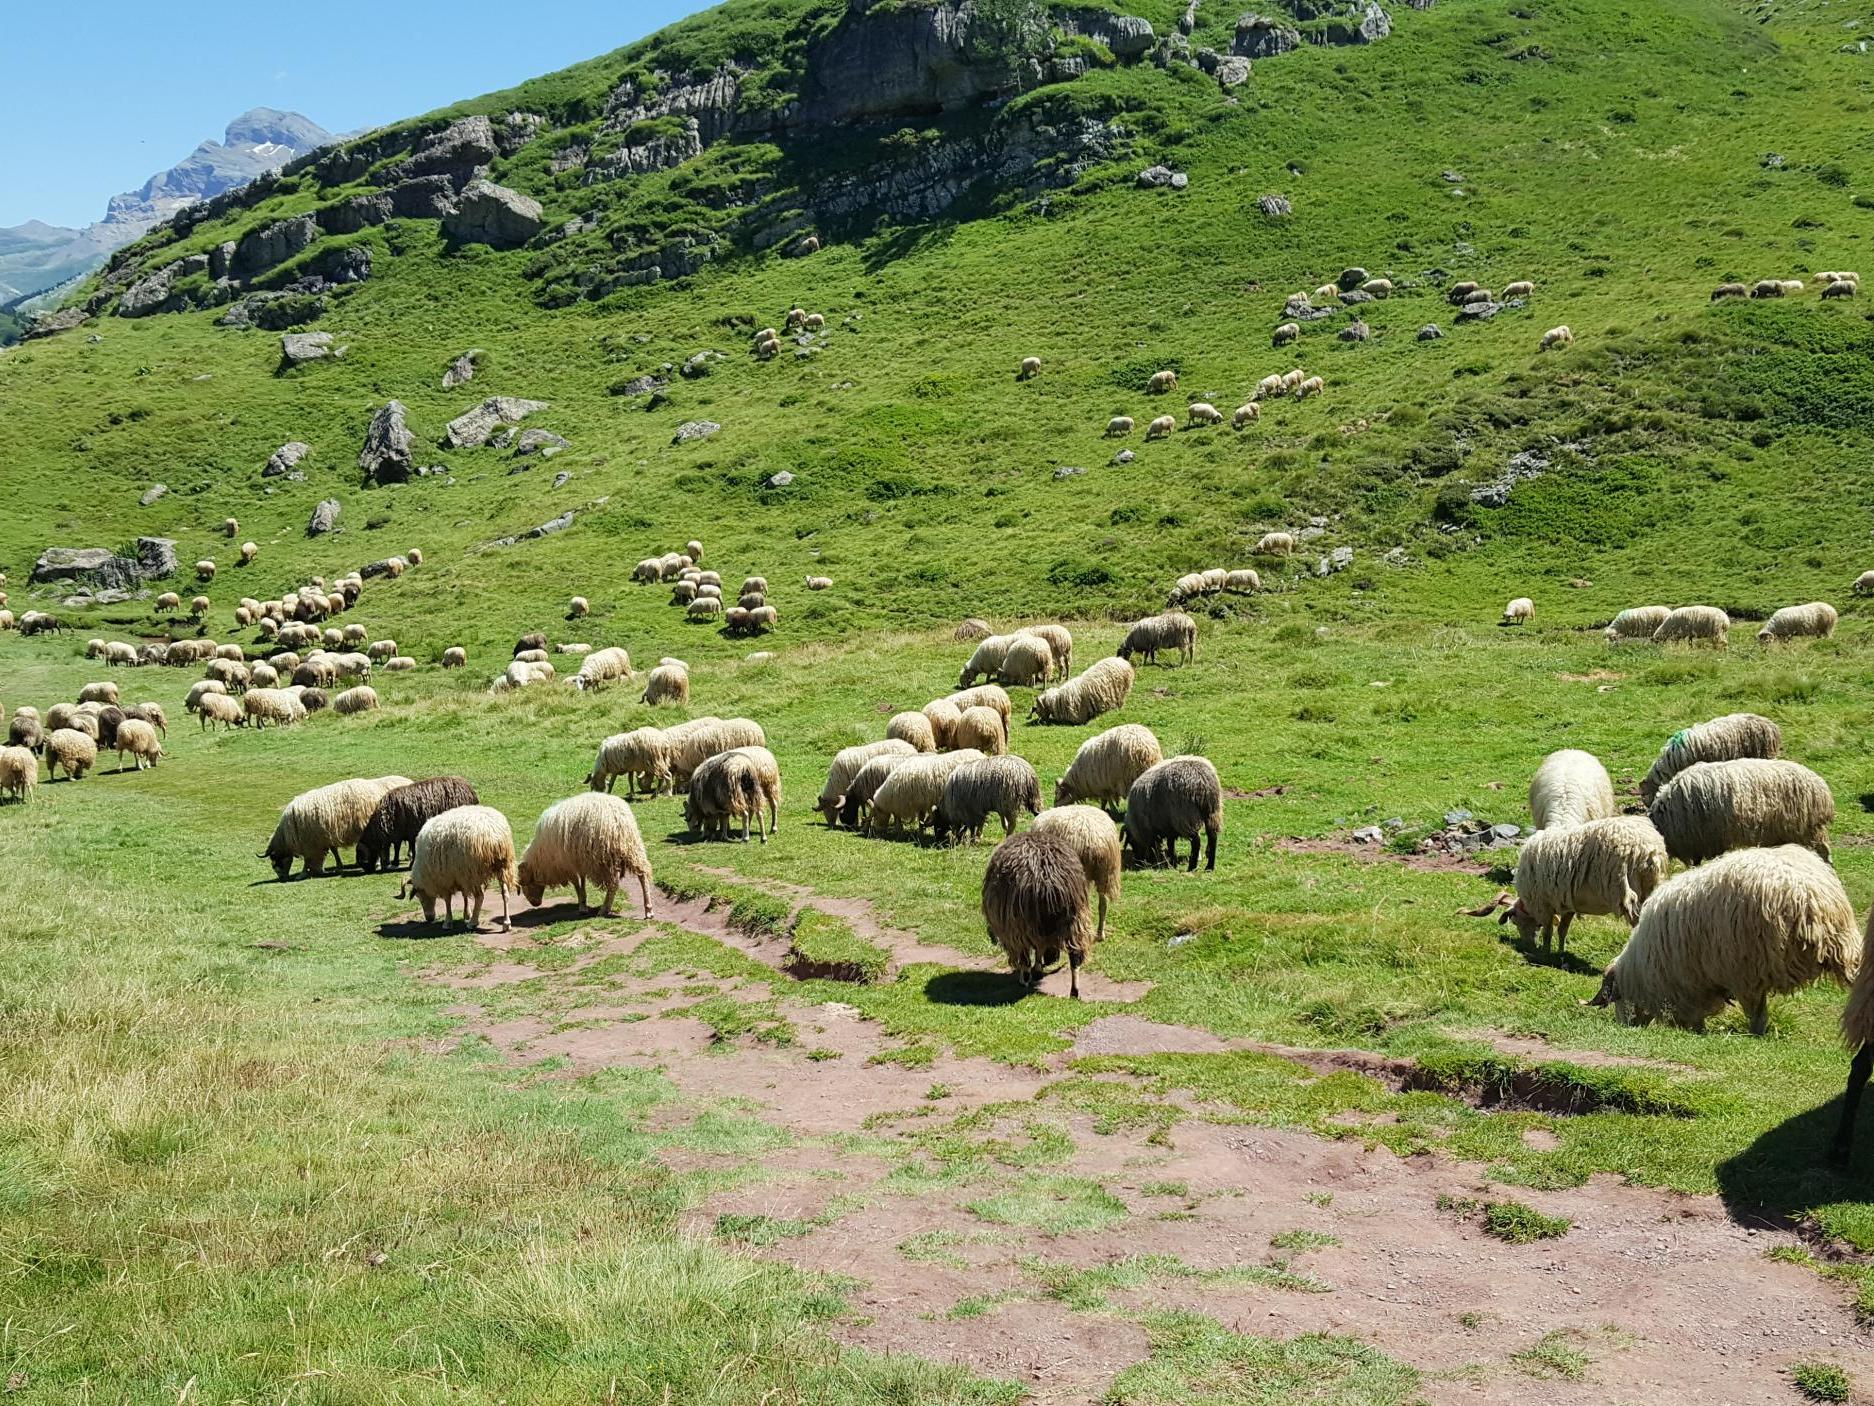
[564, 1166]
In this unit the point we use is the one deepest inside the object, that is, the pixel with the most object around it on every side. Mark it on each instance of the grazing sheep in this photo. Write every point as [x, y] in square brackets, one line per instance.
[1792, 285]
[763, 618]
[1035, 904]
[1161, 383]
[524, 673]
[1381, 287]
[1104, 687]
[1031, 367]
[230, 651]
[1060, 644]
[1180, 798]
[219, 708]
[273, 705]
[1107, 764]
[725, 787]
[201, 687]
[1243, 582]
[601, 667]
[1694, 624]
[1841, 288]
[151, 713]
[1118, 426]
[986, 659]
[532, 656]
[19, 773]
[325, 820]
[25, 731]
[1519, 611]
[204, 570]
[535, 640]
[694, 742]
[641, 756]
[1091, 834]
[1171, 630]
[586, 839]
[847, 765]
[168, 601]
[982, 729]
[1275, 544]
[986, 695]
[1522, 288]
[462, 851]
[1202, 412]
[1246, 414]
[399, 664]
[1712, 807]
[68, 715]
[1864, 584]
[401, 815]
[1269, 386]
[1755, 924]
[454, 657]
[249, 550]
[262, 676]
[104, 692]
[313, 700]
[1460, 291]
[71, 748]
[1637, 622]
[94, 649]
[910, 790]
[139, 739]
[1729, 290]
[1603, 866]
[1857, 1028]
[999, 786]
[668, 683]
[1815, 620]
[754, 583]
[1555, 337]
[1313, 385]
[1477, 296]
[819, 583]
[1571, 787]
[1162, 426]
[1287, 333]
[942, 714]
[1028, 663]
[683, 593]
[913, 728]
[578, 607]
[362, 699]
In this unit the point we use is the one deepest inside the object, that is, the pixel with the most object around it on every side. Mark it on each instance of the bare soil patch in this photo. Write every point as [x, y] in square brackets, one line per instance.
[1434, 863]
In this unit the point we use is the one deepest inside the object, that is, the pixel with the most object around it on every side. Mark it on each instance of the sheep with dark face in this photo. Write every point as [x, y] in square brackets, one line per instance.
[846, 768]
[536, 640]
[401, 815]
[1181, 798]
[724, 788]
[1035, 904]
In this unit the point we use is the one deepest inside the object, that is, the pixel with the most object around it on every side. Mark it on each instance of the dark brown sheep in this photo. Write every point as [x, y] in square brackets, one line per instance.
[26, 732]
[1035, 902]
[527, 642]
[404, 811]
[1177, 799]
[1000, 786]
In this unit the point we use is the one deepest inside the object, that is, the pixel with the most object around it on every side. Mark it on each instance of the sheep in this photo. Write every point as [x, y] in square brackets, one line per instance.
[313, 700]
[1275, 544]
[204, 570]
[641, 756]
[1313, 385]
[1815, 620]
[1712, 807]
[94, 649]
[1287, 333]
[231, 672]
[1202, 412]
[1035, 905]
[601, 667]
[1161, 383]
[104, 692]
[67, 715]
[1637, 622]
[1857, 1028]
[454, 657]
[819, 583]
[273, 705]
[683, 593]
[230, 651]
[1521, 288]
[1834, 277]
[151, 713]
[1864, 584]
[649, 569]
[1031, 367]
[219, 708]
[1519, 611]
[1555, 337]
[1246, 414]
[586, 839]
[751, 600]
[526, 673]
[1107, 764]
[249, 550]
[724, 788]
[1755, 924]
[767, 776]
[985, 660]
[667, 684]
[1603, 866]
[704, 608]
[694, 742]
[401, 816]
[1694, 624]
[25, 731]
[1171, 630]
[754, 583]
[535, 640]
[986, 695]
[333, 639]
[1215, 579]
[1119, 426]
[849, 762]
[168, 601]
[72, 749]
[1792, 285]
[362, 699]
[738, 620]
[1179, 798]
[19, 773]
[1380, 287]
[982, 729]
[1269, 386]
[1162, 426]
[911, 791]
[399, 664]
[139, 739]
[693, 549]
[262, 676]
[1001, 786]
[763, 618]
[1571, 787]
[1729, 290]
[7, 620]
[200, 688]
[1101, 689]
[462, 851]
[942, 715]
[1478, 295]
[1092, 835]
[1244, 582]
[578, 606]
[913, 728]
[1842, 288]
[1028, 663]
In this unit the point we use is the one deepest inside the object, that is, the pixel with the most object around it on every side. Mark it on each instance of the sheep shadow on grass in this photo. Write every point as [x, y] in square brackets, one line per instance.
[1530, 950]
[975, 988]
[1785, 1172]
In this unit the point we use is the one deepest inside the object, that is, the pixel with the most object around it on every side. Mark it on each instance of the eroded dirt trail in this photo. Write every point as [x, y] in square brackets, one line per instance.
[1017, 1251]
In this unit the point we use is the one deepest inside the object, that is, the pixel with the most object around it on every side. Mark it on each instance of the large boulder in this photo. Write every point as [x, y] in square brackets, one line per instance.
[150, 294]
[691, 430]
[272, 245]
[388, 446]
[324, 518]
[472, 428]
[298, 348]
[902, 61]
[1127, 36]
[1262, 37]
[458, 151]
[425, 198]
[285, 460]
[103, 569]
[486, 213]
[49, 323]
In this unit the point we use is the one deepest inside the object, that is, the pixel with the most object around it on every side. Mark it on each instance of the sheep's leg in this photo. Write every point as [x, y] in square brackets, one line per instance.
[1858, 1072]
[1548, 926]
[644, 889]
[611, 892]
[774, 817]
[448, 908]
[579, 892]
[475, 923]
[1194, 848]
[1561, 933]
[1073, 975]
[507, 923]
[1210, 849]
[1100, 932]
[1759, 1012]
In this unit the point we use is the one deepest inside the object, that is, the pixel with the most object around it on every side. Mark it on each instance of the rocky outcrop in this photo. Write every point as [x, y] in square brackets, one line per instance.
[388, 446]
[459, 152]
[1261, 37]
[272, 312]
[49, 323]
[657, 152]
[1127, 36]
[472, 428]
[426, 198]
[692, 430]
[900, 61]
[324, 518]
[359, 212]
[462, 370]
[706, 103]
[103, 569]
[151, 294]
[486, 213]
[543, 442]
[269, 247]
[284, 461]
[298, 348]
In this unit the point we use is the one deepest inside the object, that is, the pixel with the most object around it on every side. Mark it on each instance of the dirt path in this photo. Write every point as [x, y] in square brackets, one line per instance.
[1649, 1297]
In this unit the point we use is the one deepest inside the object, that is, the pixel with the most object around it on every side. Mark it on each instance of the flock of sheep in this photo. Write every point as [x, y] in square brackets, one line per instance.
[1833, 285]
[1759, 912]
[1705, 624]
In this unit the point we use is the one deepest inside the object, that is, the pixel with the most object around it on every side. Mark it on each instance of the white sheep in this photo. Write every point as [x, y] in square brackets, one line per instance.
[981, 729]
[1603, 866]
[578, 606]
[586, 839]
[846, 766]
[1027, 663]
[1521, 288]
[1555, 337]
[819, 583]
[19, 773]
[1161, 383]
[249, 550]
[1864, 584]
[204, 570]
[325, 820]
[362, 699]
[1270, 386]
[1519, 611]
[1285, 334]
[462, 851]
[1246, 414]
[1694, 624]
[218, 708]
[1244, 581]
[1107, 764]
[601, 667]
[1031, 367]
[913, 790]
[912, 728]
[1091, 834]
[1816, 620]
[1118, 426]
[1755, 924]
[1312, 385]
[667, 683]
[1161, 426]
[139, 739]
[641, 756]
[1710, 808]
[1275, 544]
[1202, 412]
[1637, 622]
[1104, 687]
[1571, 787]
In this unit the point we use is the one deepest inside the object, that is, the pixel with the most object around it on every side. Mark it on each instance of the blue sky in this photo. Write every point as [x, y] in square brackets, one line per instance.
[87, 113]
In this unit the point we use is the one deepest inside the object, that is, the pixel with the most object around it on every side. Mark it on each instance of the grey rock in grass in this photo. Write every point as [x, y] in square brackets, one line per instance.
[486, 213]
[284, 460]
[552, 525]
[1430, 332]
[1261, 37]
[692, 430]
[561, 479]
[1233, 72]
[780, 480]
[1351, 278]
[1124, 456]
[1355, 332]
[152, 493]
[324, 518]
[640, 385]
[462, 370]
[1068, 471]
[388, 446]
[1274, 206]
[1162, 178]
[540, 441]
[457, 151]
[298, 348]
[473, 427]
